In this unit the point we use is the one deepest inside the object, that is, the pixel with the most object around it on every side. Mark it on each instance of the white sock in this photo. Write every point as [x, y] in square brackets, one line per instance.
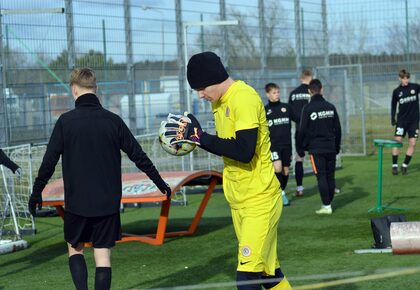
[404, 165]
[326, 206]
[299, 188]
[283, 193]
[395, 165]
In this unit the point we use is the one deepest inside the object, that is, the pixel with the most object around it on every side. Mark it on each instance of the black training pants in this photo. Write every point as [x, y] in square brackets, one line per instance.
[324, 168]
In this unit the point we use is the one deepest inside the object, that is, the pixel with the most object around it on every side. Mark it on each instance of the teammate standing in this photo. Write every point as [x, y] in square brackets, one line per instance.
[89, 139]
[279, 117]
[320, 134]
[249, 183]
[298, 98]
[406, 95]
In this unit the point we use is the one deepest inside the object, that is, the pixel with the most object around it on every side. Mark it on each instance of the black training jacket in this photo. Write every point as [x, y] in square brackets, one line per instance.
[4, 160]
[298, 98]
[408, 99]
[279, 116]
[89, 139]
[320, 129]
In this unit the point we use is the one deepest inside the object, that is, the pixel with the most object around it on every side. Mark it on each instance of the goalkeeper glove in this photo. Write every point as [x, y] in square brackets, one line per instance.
[187, 129]
[34, 200]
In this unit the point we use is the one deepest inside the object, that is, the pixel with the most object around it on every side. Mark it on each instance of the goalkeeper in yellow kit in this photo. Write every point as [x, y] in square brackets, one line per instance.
[249, 183]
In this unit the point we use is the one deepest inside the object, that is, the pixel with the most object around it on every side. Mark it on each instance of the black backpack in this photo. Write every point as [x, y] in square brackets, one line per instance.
[380, 228]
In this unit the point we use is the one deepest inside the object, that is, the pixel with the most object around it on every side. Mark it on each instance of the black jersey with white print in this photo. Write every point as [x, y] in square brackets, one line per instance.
[320, 129]
[407, 98]
[279, 116]
[298, 98]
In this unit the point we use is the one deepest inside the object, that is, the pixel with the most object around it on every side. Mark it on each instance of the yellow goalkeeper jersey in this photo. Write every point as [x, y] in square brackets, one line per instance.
[241, 108]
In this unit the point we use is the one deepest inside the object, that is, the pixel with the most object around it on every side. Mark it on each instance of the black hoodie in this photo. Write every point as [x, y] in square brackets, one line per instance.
[89, 139]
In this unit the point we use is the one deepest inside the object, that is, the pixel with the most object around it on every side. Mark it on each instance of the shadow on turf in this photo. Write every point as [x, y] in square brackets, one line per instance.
[190, 276]
[34, 258]
[341, 183]
[206, 226]
[350, 195]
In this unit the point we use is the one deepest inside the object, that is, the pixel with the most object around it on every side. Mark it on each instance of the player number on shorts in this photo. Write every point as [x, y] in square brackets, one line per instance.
[400, 131]
[274, 156]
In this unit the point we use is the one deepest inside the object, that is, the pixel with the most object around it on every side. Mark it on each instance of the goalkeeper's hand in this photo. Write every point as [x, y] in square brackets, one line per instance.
[185, 128]
[34, 201]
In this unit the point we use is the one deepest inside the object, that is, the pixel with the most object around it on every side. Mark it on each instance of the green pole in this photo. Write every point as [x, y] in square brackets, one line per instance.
[407, 38]
[202, 32]
[302, 27]
[104, 45]
[6, 61]
[41, 62]
[379, 194]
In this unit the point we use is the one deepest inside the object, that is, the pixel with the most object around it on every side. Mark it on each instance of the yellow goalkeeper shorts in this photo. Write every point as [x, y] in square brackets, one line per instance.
[256, 230]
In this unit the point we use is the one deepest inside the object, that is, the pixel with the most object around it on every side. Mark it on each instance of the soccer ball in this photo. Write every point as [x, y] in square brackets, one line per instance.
[178, 149]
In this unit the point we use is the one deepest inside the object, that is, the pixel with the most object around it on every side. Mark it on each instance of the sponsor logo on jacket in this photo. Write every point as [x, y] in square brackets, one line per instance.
[408, 99]
[297, 97]
[322, 115]
[278, 121]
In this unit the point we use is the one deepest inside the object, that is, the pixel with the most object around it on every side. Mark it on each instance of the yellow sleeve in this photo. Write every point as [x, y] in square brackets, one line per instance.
[246, 110]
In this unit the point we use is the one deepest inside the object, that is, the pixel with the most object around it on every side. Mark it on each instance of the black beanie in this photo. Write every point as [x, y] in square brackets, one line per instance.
[205, 69]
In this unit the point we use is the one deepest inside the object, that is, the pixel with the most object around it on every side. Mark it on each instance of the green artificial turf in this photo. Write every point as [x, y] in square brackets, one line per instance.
[310, 246]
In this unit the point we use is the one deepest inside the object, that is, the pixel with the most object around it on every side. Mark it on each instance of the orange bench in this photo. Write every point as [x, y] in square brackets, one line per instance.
[138, 188]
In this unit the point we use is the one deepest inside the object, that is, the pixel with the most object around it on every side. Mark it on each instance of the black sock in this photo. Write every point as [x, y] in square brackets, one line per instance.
[299, 173]
[247, 277]
[407, 159]
[78, 270]
[277, 274]
[285, 180]
[280, 178]
[395, 160]
[103, 278]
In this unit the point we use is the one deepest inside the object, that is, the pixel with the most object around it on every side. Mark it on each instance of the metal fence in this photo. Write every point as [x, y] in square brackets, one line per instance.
[139, 51]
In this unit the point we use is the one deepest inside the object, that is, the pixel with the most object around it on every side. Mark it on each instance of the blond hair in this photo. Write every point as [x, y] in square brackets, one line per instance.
[83, 77]
[306, 73]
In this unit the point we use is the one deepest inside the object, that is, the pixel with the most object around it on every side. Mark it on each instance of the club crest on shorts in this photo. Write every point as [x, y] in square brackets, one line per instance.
[283, 110]
[246, 251]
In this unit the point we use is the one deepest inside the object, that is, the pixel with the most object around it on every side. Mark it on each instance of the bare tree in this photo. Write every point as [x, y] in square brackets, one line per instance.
[397, 38]
[243, 38]
[350, 38]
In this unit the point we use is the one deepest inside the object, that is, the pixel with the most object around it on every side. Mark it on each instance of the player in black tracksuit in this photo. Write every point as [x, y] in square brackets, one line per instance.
[298, 98]
[407, 98]
[4, 160]
[320, 134]
[89, 140]
[279, 117]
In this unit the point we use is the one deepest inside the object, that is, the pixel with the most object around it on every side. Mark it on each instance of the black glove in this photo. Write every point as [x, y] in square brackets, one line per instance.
[300, 152]
[18, 173]
[393, 122]
[189, 129]
[34, 200]
[337, 150]
[165, 189]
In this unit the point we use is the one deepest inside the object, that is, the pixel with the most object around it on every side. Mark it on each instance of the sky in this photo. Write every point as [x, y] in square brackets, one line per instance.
[45, 34]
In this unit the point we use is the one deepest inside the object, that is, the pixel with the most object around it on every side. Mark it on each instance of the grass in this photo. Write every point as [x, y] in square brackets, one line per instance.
[308, 244]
